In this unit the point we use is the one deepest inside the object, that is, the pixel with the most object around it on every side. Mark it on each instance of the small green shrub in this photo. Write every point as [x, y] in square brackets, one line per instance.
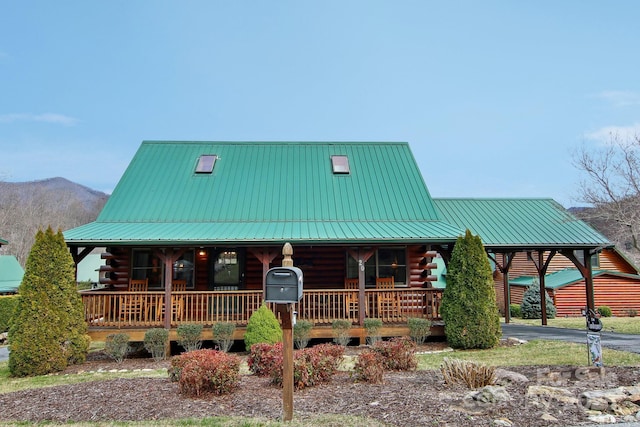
[156, 341]
[341, 332]
[398, 354]
[419, 329]
[301, 333]
[117, 347]
[263, 327]
[189, 336]
[223, 335]
[8, 305]
[515, 311]
[372, 328]
[200, 372]
[604, 311]
[369, 367]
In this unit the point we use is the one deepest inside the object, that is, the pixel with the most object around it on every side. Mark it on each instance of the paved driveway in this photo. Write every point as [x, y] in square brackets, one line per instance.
[4, 353]
[612, 340]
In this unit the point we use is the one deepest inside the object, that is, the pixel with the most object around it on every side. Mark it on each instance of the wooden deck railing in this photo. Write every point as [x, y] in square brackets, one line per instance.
[146, 309]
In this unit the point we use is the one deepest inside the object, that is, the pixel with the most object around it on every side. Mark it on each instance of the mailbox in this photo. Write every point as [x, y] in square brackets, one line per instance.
[283, 285]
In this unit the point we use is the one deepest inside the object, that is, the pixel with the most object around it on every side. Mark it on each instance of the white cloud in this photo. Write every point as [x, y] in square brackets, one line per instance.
[620, 98]
[53, 118]
[608, 133]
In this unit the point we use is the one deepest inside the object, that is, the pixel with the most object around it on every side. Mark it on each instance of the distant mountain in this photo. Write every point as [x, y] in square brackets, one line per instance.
[26, 207]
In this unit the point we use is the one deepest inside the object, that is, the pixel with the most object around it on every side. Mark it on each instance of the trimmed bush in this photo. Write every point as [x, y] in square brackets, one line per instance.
[604, 311]
[301, 333]
[372, 328]
[631, 312]
[263, 327]
[207, 371]
[530, 306]
[264, 358]
[468, 308]
[8, 306]
[156, 341]
[47, 331]
[311, 366]
[369, 367]
[117, 347]
[398, 354]
[515, 311]
[189, 336]
[341, 332]
[223, 335]
[419, 329]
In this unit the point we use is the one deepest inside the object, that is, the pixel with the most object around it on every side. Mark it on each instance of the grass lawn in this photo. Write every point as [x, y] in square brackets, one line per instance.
[623, 325]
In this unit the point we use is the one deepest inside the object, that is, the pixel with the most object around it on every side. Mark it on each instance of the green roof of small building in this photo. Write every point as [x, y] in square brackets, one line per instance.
[11, 273]
[565, 277]
[268, 192]
[520, 223]
[3, 242]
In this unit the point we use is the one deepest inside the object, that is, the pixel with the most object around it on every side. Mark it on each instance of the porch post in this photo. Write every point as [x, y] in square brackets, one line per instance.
[168, 276]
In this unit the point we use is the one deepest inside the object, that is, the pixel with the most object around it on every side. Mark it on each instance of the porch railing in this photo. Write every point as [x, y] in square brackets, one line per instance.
[147, 309]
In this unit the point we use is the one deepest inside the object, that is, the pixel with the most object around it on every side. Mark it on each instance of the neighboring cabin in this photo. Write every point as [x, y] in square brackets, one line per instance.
[11, 273]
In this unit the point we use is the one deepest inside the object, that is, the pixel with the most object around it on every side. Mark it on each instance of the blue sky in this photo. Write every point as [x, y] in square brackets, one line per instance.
[492, 96]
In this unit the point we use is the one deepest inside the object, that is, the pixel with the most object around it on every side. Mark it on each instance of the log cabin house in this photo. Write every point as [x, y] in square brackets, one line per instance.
[192, 228]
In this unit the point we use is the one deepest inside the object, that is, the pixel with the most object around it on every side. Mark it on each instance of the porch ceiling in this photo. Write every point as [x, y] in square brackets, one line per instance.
[315, 232]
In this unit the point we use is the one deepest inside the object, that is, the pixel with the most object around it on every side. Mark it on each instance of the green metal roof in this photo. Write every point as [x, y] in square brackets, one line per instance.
[566, 277]
[11, 273]
[520, 223]
[268, 192]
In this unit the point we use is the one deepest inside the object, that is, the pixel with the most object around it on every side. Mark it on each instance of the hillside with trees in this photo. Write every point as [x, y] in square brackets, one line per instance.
[26, 207]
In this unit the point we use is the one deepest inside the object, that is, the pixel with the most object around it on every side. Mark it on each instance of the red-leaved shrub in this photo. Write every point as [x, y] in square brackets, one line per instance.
[311, 366]
[369, 367]
[398, 354]
[264, 358]
[205, 371]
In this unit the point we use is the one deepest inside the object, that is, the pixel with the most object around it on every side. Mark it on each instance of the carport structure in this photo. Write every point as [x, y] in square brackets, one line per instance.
[541, 228]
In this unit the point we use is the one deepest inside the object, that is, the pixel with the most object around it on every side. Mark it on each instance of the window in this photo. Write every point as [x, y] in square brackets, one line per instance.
[146, 265]
[595, 259]
[206, 162]
[340, 164]
[386, 262]
[227, 268]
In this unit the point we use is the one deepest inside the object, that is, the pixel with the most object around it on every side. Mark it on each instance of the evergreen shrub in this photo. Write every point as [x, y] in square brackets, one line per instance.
[605, 311]
[264, 358]
[156, 341]
[47, 331]
[301, 333]
[341, 332]
[8, 306]
[117, 347]
[468, 307]
[372, 328]
[530, 305]
[223, 335]
[311, 366]
[189, 336]
[419, 329]
[263, 327]
[206, 371]
[515, 311]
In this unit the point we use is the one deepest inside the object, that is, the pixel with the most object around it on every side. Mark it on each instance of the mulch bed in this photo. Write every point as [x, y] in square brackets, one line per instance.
[405, 398]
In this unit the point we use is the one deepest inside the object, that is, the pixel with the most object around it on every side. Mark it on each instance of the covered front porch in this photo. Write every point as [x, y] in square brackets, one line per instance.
[108, 312]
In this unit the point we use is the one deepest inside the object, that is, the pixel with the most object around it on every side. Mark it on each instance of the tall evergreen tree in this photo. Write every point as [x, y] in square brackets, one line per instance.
[469, 308]
[48, 331]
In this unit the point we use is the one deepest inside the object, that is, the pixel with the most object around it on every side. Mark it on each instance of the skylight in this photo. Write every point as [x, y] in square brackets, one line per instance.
[206, 162]
[340, 164]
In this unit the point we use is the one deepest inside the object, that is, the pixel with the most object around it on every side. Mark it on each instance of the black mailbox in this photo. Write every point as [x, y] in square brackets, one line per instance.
[283, 285]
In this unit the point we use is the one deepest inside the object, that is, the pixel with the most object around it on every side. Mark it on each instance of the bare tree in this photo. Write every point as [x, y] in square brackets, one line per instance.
[611, 185]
